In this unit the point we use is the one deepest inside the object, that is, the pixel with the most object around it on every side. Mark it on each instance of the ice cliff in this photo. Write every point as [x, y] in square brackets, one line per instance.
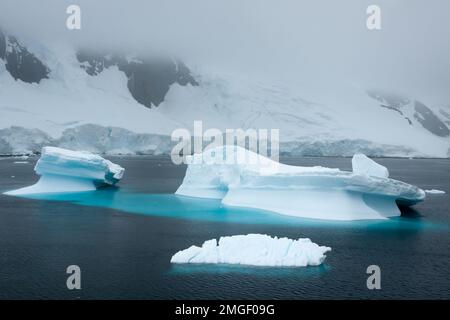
[255, 249]
[245, 179]
[63, 170]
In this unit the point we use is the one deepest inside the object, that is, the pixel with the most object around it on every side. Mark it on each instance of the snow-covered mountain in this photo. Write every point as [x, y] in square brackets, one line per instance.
[122, 103]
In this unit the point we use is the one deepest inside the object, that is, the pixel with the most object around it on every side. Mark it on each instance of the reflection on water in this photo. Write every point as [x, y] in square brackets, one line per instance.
[175, 206]
[278, 272]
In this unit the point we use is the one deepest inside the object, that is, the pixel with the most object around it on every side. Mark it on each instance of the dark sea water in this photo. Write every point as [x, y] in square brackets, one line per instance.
[123, 240]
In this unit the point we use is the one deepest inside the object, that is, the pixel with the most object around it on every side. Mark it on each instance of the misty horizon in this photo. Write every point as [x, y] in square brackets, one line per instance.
[294, 42]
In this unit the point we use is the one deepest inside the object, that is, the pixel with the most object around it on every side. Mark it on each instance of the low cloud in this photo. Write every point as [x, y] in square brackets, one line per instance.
[292, 41]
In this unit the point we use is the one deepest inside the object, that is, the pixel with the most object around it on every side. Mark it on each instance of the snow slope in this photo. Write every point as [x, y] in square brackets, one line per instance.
[341, 119]
[71, 97]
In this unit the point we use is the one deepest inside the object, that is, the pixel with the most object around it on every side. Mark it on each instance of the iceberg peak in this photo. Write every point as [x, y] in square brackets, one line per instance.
[361, 164]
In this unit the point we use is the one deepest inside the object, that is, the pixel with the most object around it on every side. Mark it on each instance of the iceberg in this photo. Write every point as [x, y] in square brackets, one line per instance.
[309, 192]
[63, 170]
[256, 250]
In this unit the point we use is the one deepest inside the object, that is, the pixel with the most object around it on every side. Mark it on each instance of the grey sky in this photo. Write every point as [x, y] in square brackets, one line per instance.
[290, 40]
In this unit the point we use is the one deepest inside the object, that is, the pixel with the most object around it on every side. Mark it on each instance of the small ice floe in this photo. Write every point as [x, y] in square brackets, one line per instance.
[256, 250]
[435, 191]
[64, 170]
[21, 162]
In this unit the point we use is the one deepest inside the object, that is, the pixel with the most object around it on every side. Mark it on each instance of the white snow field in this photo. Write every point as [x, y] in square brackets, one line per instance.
[256, 250]
[309, 192]
[337, 120]
[64, 170]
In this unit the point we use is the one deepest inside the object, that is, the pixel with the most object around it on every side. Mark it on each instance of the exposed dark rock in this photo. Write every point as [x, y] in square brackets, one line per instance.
[389, 99]
[429, 120]
[446, 116]
[95, 63]
[21, 63]
[149, 80]
[444, 113]
[2, 45]
[392, 108]
[397, 110]
[424, 115]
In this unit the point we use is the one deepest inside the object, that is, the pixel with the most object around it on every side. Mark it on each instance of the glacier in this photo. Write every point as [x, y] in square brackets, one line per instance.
[316, 121]
[255, 250]
[119, 141]
[63, 170]
[309, 192]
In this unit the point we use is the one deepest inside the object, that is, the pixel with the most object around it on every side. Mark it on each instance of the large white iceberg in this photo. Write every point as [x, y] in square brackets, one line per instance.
[63, 170]
[255, 249]
[310, 192]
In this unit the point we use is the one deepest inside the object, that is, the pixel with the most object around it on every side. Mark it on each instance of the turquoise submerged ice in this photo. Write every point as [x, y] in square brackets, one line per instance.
[241, 178]
[63, 170]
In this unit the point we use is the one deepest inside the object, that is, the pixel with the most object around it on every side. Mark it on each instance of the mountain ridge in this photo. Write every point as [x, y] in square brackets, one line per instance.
[153, 96]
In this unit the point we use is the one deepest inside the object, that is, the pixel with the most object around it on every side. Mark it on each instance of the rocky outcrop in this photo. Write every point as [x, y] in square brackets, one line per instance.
[149, 80]
[21, 63]
[2, 45]
[429, 120]
[411, 109]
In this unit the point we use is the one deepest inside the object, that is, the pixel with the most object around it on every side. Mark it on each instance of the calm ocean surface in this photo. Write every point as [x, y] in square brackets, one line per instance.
[123, 240]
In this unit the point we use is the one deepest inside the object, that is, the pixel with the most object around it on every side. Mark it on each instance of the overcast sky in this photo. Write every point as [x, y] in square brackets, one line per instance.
[290, 40]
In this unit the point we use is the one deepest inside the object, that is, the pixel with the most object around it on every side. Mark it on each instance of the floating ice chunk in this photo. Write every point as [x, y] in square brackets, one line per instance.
[81, 164]
[361, 164]
[435, 191]
[255, 249]
[310, 192]
[64, 170]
